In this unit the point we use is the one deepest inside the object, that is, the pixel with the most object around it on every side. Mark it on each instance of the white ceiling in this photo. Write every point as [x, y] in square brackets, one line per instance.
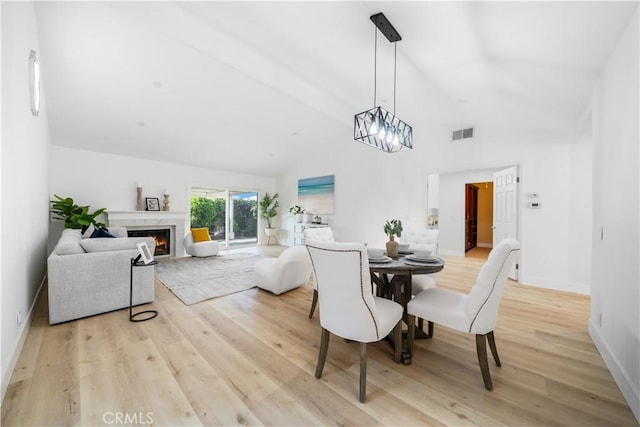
[251, 86]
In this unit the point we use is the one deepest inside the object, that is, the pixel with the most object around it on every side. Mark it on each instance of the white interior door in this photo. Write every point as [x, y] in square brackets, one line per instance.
[505, 209]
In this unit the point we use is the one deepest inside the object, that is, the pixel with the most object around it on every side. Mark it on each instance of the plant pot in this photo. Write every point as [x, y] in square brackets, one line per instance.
[271, 234]
[299, 217]
[392, 247]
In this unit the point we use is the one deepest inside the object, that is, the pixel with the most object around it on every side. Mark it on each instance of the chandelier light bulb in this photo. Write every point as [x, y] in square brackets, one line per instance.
[374, 126]
[390, 136]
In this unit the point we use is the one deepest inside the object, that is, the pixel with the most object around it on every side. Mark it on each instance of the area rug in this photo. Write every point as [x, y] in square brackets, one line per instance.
[197, 279]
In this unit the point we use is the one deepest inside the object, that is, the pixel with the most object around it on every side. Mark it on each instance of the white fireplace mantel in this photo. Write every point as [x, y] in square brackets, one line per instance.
[141, 220]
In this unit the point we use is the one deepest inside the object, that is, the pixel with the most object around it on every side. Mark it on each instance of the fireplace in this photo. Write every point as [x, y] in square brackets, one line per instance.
[161, 236]
[172, 223]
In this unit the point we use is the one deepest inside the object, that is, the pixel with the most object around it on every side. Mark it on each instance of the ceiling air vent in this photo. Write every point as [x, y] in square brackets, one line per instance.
[462, 134]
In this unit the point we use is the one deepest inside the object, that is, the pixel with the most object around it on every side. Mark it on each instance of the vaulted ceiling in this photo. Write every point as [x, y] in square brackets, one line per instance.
[251, 86]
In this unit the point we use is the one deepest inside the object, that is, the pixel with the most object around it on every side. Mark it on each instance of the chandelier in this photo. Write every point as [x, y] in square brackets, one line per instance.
[378, 127]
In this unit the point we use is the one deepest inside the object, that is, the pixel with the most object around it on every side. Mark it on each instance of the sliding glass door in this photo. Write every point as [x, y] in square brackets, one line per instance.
[230, 215]
[243, 217]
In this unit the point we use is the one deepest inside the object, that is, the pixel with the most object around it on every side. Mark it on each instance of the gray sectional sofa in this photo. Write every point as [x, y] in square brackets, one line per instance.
[88, 276]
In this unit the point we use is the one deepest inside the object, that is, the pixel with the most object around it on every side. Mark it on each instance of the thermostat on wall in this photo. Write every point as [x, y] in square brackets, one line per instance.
[535, 205]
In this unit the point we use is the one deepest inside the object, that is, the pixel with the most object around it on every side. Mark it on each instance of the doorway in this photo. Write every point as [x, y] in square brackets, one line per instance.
[478, 215]
[230, 215]
[446, 193]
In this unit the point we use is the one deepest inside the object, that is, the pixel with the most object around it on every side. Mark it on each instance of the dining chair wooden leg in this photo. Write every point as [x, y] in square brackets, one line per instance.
[492, 346]
[397, 342]
[430, 329]
[324, 347]
[481, 348]
[411, 331]
[314, 302]
[363, 372]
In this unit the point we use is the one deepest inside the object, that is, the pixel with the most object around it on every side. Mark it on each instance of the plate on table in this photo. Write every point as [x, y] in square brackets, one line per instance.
[431, 259]
[379, 260]
[434, 263]
[405, 252]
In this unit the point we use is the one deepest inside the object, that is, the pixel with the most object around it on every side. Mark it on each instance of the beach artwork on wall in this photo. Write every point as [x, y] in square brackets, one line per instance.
[317, 195]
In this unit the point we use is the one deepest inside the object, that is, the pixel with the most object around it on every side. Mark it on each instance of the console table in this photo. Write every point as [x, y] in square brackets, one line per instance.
[298, 230]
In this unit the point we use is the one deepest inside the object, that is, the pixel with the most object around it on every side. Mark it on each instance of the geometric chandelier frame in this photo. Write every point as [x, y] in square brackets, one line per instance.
[381, 129]
[377, 127]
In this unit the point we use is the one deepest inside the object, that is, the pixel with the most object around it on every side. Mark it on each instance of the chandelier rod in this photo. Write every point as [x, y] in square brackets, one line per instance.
[375, 65]
[395, 54]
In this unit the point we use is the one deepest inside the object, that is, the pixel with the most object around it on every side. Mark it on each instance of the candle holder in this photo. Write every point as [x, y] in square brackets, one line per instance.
[165, 203]
[139, 199]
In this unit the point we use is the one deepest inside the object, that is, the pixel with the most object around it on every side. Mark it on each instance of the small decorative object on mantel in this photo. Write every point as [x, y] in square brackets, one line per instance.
[317, 219]
[393, 228]
[139, 197]
[153, 204]
[298, 211]
[165, 203]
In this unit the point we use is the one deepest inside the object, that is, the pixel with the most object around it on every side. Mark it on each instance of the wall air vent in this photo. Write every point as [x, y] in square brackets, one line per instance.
[462, 134]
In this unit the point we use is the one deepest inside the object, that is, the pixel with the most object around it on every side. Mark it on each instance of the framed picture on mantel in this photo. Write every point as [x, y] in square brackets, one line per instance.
[153, 204]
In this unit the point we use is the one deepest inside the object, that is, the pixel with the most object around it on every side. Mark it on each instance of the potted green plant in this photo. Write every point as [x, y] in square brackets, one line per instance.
[392, 229]
[297, 211]
[268, 210]
[74, 216]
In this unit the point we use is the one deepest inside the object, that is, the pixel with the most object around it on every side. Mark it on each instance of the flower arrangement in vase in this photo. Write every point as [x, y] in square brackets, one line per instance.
[298, 211]
[392, 229]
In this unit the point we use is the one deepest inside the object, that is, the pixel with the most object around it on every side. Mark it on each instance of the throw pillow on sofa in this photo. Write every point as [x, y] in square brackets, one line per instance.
[200, 234]
[69, 243]
[101, 232]
[115, 230]
[115, 244]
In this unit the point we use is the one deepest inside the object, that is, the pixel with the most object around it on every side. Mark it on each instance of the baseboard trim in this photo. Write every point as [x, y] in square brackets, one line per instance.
[621, 378]
[6, 376]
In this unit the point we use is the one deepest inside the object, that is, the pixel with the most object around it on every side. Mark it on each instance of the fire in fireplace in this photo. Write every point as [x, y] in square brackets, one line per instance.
[161, 236]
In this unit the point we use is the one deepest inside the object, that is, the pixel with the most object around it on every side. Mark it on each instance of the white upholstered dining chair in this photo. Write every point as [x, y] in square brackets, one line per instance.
[474, 313]
[348, 308]
[316, 234]
[426, 240]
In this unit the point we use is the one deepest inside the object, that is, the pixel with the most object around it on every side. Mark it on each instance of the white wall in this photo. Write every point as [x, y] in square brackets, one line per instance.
[615, 320]
[25, 171]
[580, 218]
[109, 181]
[372, 187]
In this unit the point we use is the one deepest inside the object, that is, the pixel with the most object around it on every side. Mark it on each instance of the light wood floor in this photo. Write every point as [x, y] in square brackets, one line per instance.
[249, 359]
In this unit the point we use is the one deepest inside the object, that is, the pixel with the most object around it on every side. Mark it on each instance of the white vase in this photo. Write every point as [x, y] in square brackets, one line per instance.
[299, 217]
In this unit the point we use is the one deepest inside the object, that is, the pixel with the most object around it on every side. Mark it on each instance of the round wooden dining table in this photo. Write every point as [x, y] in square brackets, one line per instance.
[393, 280]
